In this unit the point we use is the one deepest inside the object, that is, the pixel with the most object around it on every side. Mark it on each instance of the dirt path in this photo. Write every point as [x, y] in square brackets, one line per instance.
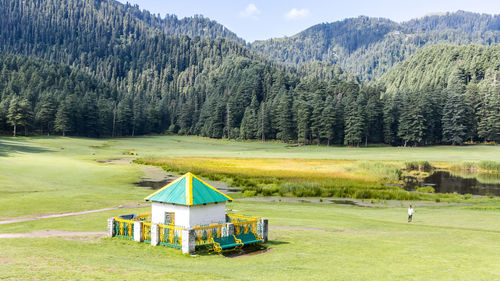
[155, 177]
[151, 173]
[53, 233]
[366, 203]
[70, 214]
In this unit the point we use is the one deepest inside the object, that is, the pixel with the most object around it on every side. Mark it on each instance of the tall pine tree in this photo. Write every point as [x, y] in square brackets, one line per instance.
[454, 129]
[328, 120]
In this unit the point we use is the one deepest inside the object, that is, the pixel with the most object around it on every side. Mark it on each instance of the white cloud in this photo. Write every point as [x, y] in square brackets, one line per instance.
[251, 11]
[295, 14]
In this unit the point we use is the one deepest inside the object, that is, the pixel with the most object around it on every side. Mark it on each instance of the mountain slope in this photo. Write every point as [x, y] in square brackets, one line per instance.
[432, 68]
[459, 21]
[328, 41]
[445, 93]
[368, 47]
[53, 96]
[153, 73]
[189, 26]
[62, 30]
[162, 82]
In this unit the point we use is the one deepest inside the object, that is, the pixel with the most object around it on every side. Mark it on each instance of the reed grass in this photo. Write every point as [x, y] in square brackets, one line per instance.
[418, 165]
[485, 166]
[302, 177]
[489, 165]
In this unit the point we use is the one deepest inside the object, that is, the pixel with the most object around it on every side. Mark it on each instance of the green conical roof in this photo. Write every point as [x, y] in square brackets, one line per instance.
[188, 190]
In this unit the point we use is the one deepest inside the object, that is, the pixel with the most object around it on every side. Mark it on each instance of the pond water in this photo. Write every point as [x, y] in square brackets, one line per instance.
[343, 202]
[446, 182]
[153, 184]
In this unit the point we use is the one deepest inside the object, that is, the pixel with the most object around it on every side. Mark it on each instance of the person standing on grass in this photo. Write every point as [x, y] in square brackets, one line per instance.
[410, 213]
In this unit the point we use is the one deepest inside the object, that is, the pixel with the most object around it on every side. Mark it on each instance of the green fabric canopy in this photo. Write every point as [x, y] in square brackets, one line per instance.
[188, 190]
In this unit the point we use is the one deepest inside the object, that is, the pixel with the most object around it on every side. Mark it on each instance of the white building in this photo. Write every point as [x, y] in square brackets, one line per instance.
[188, 201]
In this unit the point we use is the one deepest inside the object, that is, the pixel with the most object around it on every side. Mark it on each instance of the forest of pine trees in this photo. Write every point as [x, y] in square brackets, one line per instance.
[98, 69]
[369, 47]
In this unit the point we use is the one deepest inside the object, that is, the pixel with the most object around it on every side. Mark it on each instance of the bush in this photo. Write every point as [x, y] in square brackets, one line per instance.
[249, 193]
[270, 191]
[426, 189]
[242, 181]
[363, 194]
[381, 169]
[489, 165]
[419, 165]
[469, 165]
[418, 174]
[302, 189]
[172, 129]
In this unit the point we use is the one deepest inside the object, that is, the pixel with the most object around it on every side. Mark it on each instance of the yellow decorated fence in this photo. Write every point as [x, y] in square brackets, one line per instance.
[170, 235]
[245, 227]
[124, 228]
[146, 232]
[205, 234]
[239, 218]
[246, 224]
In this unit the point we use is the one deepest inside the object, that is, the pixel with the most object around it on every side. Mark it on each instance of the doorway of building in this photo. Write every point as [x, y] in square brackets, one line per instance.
[169, 218]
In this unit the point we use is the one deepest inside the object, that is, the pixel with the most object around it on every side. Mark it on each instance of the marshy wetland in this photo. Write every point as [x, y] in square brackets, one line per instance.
[464, 183]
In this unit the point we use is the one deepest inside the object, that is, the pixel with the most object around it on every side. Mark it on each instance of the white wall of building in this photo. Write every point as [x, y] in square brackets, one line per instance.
[158, 211]
[189, 216]
[206, 214]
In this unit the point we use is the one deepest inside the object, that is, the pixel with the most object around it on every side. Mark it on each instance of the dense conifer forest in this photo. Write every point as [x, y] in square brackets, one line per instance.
[100, 68]
[368, 47]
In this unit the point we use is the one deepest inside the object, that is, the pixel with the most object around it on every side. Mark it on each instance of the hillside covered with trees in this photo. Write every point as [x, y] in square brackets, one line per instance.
[368, 47]
[49, 97]
[163, 82]
[100, 68]
[452, 94]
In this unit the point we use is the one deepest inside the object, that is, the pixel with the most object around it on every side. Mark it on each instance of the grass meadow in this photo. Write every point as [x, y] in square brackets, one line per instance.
[309, 241]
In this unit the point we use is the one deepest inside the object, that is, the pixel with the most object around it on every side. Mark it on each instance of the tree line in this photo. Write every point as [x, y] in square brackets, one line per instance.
[47, 98]
[98, 68]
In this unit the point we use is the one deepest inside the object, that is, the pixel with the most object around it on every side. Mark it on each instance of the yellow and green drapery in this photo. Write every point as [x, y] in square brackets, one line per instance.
[188, 190]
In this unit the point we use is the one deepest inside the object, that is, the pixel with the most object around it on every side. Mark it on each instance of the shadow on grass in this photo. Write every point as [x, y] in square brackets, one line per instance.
[13, 146]
[249, 250]
[275, 242]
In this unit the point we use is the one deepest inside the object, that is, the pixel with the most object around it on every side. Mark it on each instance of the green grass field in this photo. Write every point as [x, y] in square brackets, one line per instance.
[309, 241]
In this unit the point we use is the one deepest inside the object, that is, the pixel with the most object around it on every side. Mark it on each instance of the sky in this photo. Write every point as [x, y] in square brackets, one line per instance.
[265, 19]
